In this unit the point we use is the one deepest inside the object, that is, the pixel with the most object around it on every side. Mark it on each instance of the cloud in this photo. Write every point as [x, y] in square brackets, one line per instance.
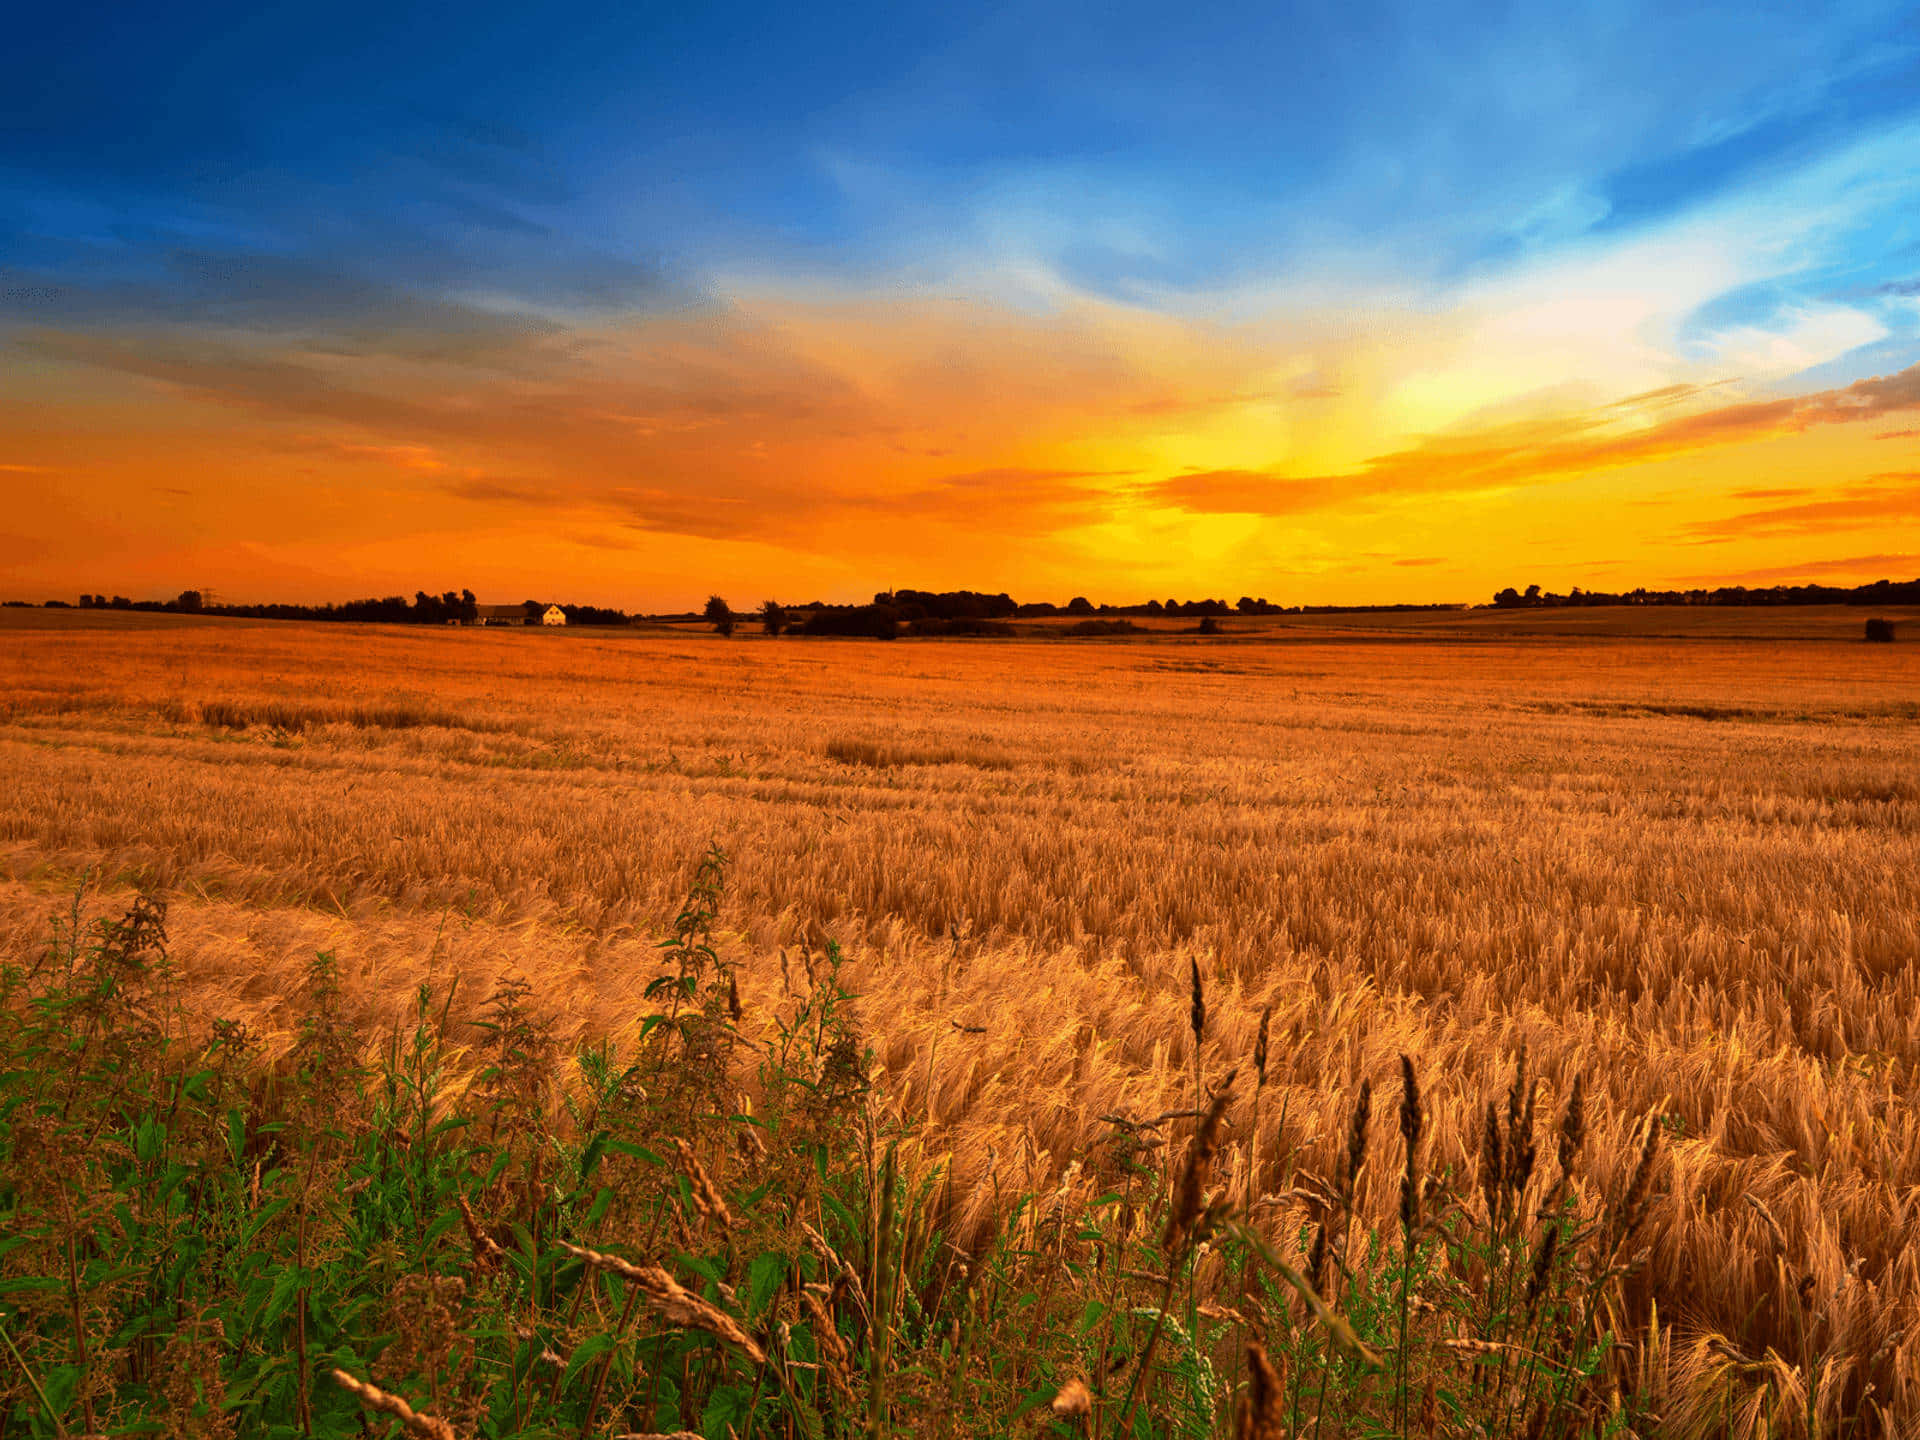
[1006, 497]
[307, 305]
[1535, 451]
[512, 492]
[1881, 567]
[1415, 560]
[1847, 507]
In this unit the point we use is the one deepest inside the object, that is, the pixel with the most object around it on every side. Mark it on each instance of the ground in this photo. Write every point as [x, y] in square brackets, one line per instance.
[1674, 851]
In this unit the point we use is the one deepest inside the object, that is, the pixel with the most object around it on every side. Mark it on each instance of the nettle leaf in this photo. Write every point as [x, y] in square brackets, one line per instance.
[726, 1409]
[60, 1384]
[602, 1201]
[636, 1150]
[763, 1280]
[587, 1351]
[708, 1267]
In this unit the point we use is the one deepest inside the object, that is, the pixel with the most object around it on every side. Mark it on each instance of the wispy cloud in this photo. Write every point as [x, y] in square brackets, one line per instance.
[1535, 451]
[1878, 567]
[1875, 502]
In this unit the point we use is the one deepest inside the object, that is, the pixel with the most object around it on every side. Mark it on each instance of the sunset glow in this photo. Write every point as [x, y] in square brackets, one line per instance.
[1381, 303]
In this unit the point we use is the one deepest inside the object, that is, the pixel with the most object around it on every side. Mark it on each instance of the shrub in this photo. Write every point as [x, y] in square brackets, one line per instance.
[1880, 630]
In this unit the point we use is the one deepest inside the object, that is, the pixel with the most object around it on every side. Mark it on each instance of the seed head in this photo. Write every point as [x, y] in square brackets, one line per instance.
[1197, 1013]
[1193, 1174]
[1073, 1402]
[1493, 1177]
[1573, 1127]
[1262, 1412]
[374, 1398]
[1410, 1123]
[1357, 1140]
[1542, 1265]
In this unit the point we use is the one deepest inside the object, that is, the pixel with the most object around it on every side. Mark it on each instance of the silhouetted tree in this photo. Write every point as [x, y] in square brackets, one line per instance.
[720, 615]
[188, 602]
[773, 616]
[1080, 605]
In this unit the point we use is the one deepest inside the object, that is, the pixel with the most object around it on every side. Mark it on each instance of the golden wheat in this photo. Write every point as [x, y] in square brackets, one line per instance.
[1679, 876]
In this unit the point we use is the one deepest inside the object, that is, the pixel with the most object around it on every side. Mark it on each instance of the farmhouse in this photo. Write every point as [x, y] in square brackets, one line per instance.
[527, 613]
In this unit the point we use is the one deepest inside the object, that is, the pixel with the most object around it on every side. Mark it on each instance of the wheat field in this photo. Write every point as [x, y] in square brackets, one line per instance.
[1682, 867]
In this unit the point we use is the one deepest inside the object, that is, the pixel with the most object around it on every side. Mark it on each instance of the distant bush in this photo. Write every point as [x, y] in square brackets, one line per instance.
[960, 627]
[1209, 625]
[1880, 630]
[872, 622]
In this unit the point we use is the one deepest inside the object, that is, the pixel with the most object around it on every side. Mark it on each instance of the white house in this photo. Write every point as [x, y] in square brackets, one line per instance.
[553, 615]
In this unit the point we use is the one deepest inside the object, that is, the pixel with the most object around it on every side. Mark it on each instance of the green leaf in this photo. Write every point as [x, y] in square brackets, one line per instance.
[602, 1200]
[31, 1282]
[590, 1156]
[726, 1408]
[587, 1351]
[763, 1280]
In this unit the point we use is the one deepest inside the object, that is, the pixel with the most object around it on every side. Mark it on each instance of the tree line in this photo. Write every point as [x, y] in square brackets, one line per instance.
[1880, 592]
[447, 608]
[972, 612]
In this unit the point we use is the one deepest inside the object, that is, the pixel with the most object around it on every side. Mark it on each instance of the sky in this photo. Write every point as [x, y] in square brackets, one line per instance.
[626, 304]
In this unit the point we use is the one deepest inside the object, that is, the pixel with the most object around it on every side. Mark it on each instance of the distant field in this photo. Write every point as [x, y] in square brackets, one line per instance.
[1677, 851]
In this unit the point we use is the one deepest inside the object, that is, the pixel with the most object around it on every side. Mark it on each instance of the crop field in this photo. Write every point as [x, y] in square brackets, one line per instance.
[1678, 868]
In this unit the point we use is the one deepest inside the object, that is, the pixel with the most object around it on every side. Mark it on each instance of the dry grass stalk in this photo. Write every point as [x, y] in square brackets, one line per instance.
[487, 1253]
[1573, 1128]
[1186, 1209]
[673, 1302]
[1355, 1159]
[836, 1360]
[374, 1398]
[1410, 1123]
[1631, 1213]
[1263, 1410]
[707, 1198]
[1493, 1172]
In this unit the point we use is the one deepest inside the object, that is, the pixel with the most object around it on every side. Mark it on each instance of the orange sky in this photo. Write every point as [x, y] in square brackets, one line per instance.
[838, 444]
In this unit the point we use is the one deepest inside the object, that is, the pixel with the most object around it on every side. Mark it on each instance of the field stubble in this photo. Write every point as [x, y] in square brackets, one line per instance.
[1684, 870]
